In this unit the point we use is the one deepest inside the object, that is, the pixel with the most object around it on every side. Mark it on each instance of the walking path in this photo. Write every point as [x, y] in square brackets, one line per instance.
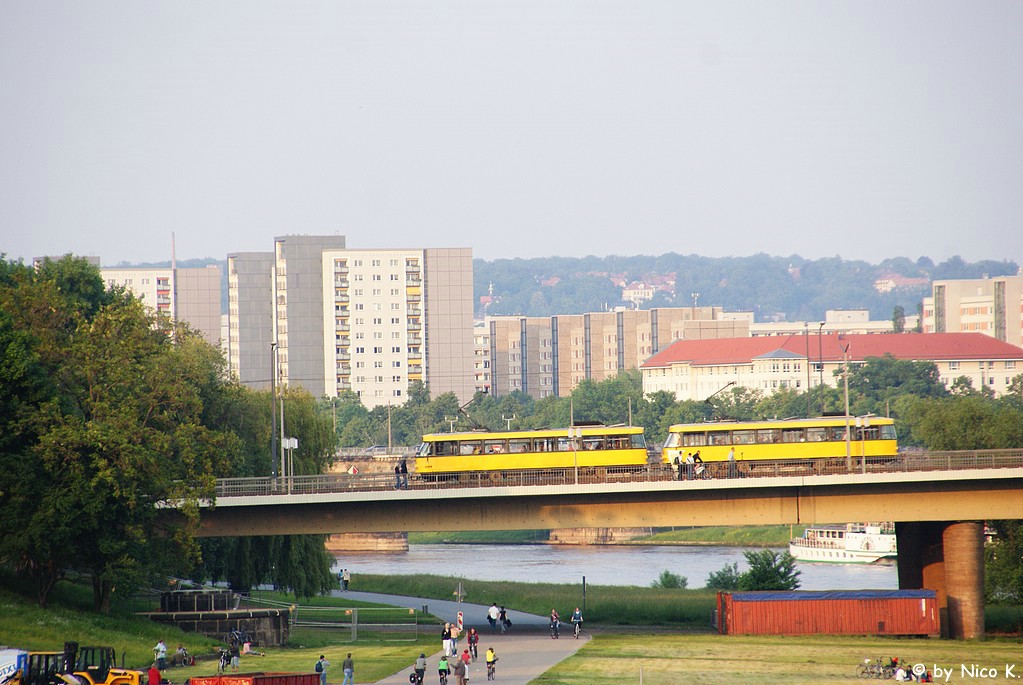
[524, 653]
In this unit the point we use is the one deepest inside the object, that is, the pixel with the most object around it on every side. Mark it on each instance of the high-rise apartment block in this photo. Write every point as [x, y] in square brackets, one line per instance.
[545, 356]
[191, 295]
[369, 321]
[992, 306]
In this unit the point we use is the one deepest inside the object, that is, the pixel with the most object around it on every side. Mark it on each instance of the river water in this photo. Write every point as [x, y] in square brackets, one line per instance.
[601, 565]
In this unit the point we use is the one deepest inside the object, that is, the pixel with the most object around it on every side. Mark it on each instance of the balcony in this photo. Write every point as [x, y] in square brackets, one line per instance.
[412, 326]
[343, 356]
[415, 340]
[345, 369]
[342, 297]
[413, 282]
[341, 283]
[413, 311]
[339, 326]
[415, 355]
[413, 298]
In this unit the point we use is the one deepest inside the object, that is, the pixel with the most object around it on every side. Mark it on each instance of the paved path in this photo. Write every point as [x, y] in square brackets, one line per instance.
[525, 652]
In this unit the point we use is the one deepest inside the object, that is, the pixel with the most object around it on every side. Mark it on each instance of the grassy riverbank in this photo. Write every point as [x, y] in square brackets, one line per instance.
[739, 536]
[671, 656]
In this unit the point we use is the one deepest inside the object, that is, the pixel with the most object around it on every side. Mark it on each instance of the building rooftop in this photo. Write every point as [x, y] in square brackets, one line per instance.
[909, 346]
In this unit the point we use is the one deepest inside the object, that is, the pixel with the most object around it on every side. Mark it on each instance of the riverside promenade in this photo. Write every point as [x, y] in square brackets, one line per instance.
[525, 652]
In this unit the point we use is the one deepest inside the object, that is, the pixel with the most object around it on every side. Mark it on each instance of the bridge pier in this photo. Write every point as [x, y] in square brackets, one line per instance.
[947, 557]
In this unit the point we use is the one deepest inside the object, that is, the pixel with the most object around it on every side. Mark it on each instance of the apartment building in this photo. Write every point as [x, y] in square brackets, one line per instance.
[844, 321]
[191, 295]
[696, 369]
[549, 356]
[250, 316]
[992, 306]
[395, 316]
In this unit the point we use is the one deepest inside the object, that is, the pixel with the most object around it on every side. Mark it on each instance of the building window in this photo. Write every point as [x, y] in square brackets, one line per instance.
[378, 350]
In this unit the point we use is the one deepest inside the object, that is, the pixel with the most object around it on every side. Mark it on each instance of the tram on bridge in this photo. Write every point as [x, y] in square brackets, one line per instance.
[592, 449]
[801, 440]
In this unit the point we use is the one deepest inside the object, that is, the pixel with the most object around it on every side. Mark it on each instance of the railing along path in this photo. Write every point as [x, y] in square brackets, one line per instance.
[367, 482]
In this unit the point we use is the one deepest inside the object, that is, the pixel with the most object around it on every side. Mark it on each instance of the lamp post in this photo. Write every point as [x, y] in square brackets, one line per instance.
[806, 339]
[845, 375]
[273, 410]
[820, 364]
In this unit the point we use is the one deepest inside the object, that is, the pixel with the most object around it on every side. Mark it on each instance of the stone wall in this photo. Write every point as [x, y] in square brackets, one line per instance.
[266, 627]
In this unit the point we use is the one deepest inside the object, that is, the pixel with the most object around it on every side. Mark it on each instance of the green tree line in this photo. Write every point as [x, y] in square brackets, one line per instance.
[108, 410]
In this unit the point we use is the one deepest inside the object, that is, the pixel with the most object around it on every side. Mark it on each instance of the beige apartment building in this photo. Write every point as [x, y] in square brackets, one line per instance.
[191, 295]
[549, 356]
[992, 306]
[696, 369]
[365, 320]
[396, 316]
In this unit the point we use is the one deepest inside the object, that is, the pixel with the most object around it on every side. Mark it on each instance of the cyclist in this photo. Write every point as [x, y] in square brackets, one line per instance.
[555, 624]
[443, 670]
[473, 638]
[420, 668]
[577, 622]
[491, 659]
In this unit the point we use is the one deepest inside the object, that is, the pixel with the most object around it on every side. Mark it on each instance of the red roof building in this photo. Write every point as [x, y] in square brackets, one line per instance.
[695, 369]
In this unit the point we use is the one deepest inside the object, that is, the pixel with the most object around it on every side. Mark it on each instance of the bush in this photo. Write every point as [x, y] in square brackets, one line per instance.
[725, 579]
[769, 570]
[672, 581]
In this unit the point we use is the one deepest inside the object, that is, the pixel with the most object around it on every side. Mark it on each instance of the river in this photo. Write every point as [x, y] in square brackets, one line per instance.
[638, 565]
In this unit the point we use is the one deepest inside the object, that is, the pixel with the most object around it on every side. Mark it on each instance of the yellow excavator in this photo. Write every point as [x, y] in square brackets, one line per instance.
[75, 666]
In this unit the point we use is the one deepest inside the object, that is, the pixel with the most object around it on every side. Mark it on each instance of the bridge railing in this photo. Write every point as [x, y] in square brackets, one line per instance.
[367, 482]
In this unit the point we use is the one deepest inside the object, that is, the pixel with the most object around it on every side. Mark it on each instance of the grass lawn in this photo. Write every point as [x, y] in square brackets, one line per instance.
[706, 658]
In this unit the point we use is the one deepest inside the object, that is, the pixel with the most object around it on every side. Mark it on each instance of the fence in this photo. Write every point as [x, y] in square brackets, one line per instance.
[380, 624]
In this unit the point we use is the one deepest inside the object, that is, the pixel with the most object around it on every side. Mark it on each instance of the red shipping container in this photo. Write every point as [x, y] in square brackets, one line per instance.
[258, 679]
[861, 612]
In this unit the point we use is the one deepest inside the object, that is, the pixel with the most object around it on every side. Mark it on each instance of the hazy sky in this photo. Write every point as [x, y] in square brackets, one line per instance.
[861, 128]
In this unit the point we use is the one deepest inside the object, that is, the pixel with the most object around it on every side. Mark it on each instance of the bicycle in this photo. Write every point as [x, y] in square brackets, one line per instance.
[225, 660]
[491, 669]
[577, 627]
[443, 677]
[555, 630]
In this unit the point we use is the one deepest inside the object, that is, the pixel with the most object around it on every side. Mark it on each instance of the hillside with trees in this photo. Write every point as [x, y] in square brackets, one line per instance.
[774, 288]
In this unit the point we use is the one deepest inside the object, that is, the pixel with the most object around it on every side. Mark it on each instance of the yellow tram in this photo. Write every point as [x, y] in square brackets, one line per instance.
[796, 439]
[586, 447]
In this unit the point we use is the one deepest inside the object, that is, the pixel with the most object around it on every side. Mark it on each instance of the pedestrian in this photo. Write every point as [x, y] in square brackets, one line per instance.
[235, 655]
[154, 674]
[678, 465]
[732, 469]
[453, 641]
[161, 655]
[321, 668]
[403, 472]
[690, 466]
[460, 670]
[397, 477]
[341, 579]
[445, 639]
[348, 666]
[492, 615]
[502, 616]
[346, 578]
[466, 657]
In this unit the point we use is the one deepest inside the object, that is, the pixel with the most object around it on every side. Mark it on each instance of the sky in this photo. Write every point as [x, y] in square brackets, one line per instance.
[863, 129]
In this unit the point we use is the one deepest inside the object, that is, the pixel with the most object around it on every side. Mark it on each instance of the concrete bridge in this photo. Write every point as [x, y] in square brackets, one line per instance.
[939, 502]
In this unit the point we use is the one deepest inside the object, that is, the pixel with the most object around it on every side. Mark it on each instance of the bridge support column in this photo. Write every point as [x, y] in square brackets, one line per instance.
[949, 559]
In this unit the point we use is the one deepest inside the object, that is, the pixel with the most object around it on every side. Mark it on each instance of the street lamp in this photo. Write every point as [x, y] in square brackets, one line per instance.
[844, 344]
[273, 410]
[806, 339]
[820, 364]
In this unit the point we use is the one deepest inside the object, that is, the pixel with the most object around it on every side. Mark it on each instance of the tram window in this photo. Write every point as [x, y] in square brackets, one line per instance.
[743, 437]
[719, 438]
[837, 433]
[694, 439]
[543, 445]
[674, 440]
[566, 445]
[446, 448]
[495, 447]
[618, 442]
[768, 436]
[639, 440]
[593, 443]
[888, 432]
[425, 449]
[816, 434]
[518, 445]
[793, 435]
[470, 447]
[861, 433]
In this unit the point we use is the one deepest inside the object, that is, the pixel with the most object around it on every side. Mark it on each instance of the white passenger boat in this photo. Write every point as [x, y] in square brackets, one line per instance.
[853, 543]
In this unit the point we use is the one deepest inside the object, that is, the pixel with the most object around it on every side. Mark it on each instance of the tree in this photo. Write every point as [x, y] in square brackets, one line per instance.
[769, 570]
[727, 578]
[670, 581]
[898, 319]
